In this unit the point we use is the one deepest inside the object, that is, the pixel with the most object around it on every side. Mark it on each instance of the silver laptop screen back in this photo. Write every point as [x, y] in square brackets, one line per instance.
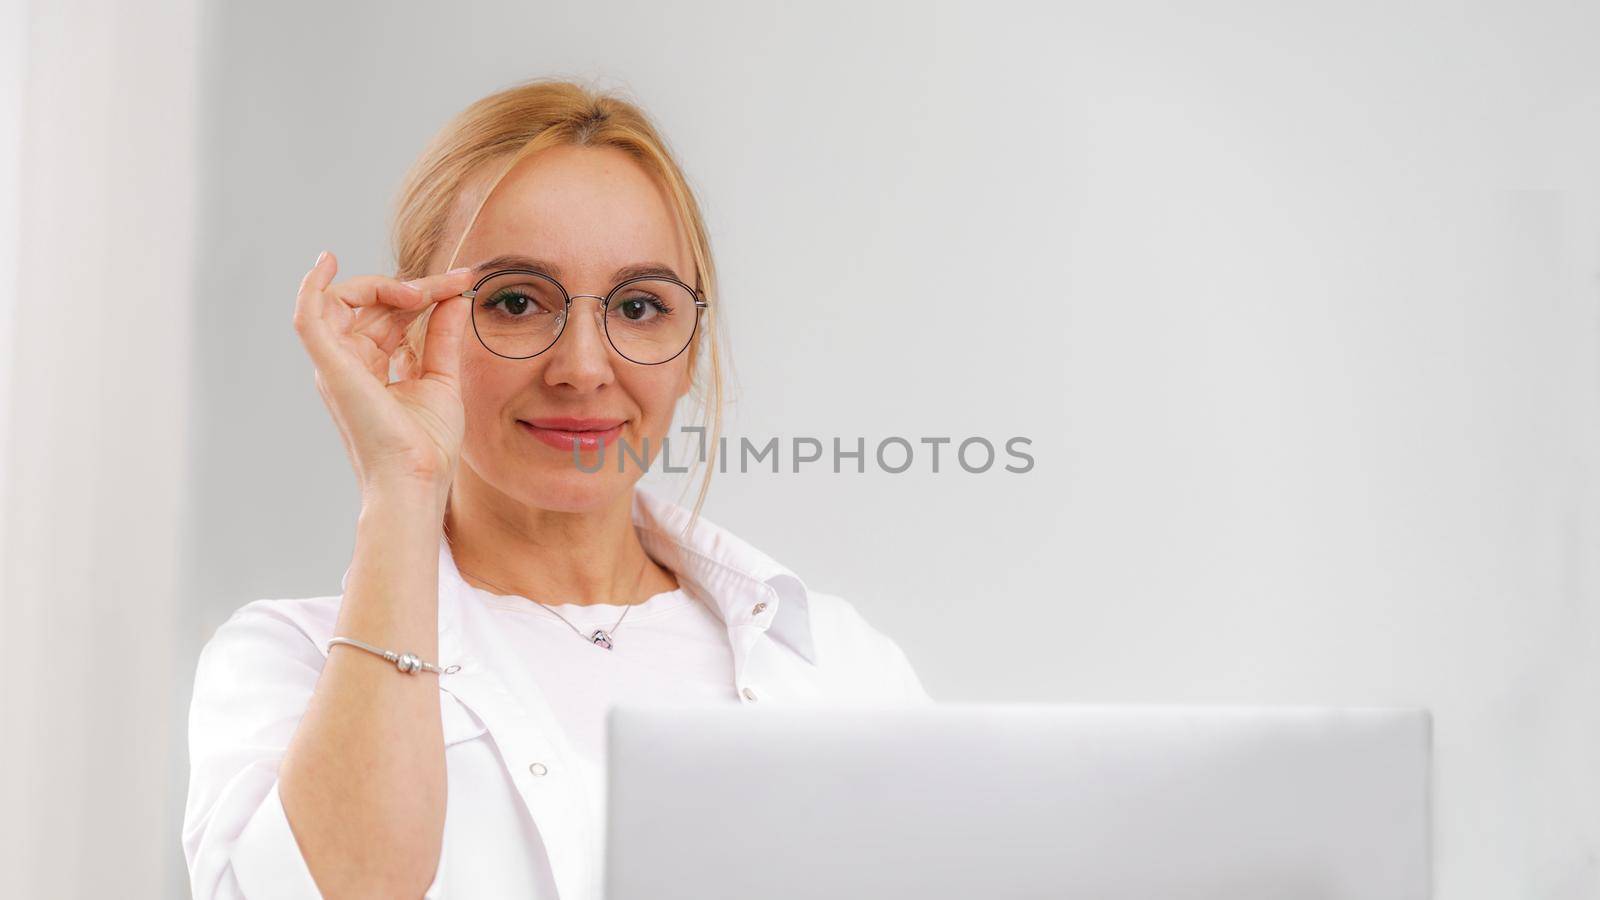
[1018, 800]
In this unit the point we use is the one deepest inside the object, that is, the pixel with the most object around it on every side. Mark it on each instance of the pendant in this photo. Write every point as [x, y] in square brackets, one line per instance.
[600, 637]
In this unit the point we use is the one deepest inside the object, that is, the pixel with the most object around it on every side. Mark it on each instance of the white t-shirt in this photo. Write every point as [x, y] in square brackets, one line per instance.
[671, 648]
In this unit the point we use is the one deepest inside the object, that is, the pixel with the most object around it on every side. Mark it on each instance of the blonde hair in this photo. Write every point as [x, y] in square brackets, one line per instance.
[506, 127]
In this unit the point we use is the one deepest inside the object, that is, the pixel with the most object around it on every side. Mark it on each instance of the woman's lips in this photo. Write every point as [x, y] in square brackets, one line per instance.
[589, 434]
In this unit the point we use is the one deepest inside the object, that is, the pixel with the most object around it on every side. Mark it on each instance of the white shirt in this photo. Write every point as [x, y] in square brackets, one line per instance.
[669, 649]
[523, 816]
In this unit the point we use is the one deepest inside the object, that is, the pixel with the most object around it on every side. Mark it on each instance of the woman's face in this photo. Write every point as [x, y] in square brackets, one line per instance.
[589, 212]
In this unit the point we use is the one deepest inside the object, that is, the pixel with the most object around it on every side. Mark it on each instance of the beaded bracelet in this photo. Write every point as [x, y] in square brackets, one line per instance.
[408, 663]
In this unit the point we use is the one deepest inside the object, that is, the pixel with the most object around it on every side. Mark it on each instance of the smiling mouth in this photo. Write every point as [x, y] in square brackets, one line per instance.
[563, 434]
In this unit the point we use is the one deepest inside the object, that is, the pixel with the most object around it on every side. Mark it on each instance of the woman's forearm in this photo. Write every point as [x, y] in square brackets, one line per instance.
[363, 779]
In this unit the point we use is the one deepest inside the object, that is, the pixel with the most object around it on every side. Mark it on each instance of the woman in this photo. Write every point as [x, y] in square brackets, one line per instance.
[555, 298]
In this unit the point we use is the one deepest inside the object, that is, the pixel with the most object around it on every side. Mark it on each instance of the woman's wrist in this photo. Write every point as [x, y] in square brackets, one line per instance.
[405, 497]
[396, 549]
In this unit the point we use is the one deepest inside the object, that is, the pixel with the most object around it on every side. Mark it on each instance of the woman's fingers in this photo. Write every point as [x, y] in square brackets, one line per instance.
[359, 322]
[441, 350]
[447, 284]
[338, 367]
[310, 304]
[384, 327]
[385, 323]
[366, 290]
[351, 329]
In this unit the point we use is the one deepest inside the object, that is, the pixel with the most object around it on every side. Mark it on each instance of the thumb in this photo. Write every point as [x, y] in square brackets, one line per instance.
[441, 351]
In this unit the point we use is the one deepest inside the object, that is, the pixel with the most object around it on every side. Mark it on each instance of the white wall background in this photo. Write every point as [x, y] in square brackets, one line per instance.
[1298, 306]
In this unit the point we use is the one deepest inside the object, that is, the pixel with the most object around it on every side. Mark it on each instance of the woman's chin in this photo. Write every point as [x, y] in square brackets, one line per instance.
[569, 489]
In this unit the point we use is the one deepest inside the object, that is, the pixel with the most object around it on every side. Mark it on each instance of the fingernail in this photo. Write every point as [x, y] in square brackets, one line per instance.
[459, 271]
[319, 259]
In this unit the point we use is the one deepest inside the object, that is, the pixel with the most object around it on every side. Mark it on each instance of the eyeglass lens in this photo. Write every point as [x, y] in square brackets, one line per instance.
[520, 314]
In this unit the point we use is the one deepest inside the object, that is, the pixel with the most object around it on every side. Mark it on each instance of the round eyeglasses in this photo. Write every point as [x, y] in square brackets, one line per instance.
[520, 313]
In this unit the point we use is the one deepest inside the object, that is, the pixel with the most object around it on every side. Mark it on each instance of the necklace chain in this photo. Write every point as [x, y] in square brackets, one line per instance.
[600, 636]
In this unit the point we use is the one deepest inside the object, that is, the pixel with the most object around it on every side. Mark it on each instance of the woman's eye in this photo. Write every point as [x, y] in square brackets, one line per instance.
[640, 308]
[514, 304]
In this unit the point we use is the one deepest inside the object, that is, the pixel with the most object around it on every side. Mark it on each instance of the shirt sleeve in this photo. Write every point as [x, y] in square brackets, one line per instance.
[252, 683]
[908, 684]
[885, 660]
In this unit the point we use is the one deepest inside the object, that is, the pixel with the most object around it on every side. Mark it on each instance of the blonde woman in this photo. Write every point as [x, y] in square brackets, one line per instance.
[437, 729]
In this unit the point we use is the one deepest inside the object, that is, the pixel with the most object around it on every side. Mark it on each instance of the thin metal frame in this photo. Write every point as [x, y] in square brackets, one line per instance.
[605, 303]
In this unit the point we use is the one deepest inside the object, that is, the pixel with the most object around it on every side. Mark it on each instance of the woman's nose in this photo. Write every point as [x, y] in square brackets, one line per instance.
[582, 354]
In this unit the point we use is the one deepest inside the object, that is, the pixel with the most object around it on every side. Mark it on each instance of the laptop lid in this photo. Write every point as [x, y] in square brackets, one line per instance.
[1018, 800]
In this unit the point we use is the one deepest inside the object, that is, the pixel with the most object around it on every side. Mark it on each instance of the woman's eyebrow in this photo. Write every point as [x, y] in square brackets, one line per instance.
[543, 267]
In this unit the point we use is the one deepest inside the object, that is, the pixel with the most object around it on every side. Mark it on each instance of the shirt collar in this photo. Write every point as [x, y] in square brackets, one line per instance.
[729, 575]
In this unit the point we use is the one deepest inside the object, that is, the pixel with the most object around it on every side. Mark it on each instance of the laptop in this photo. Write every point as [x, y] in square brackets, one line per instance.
[961, 801]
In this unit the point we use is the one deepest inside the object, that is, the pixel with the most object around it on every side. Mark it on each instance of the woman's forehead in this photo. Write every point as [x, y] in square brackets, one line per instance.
[588, 210]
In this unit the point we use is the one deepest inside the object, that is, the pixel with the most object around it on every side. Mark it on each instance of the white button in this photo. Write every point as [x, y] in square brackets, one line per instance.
[749, 694]
[756, 610]
[538, 768]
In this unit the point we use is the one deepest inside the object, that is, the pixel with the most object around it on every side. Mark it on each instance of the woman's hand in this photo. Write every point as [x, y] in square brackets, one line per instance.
[400, 434]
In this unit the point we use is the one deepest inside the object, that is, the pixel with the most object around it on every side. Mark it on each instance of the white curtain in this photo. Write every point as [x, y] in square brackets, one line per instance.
[96, 237]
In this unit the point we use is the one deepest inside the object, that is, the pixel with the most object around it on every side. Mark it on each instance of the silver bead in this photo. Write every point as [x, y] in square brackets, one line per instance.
[408, 662]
